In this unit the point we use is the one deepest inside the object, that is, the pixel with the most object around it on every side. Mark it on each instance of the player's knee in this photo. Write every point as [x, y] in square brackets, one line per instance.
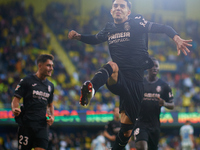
[141, 145]
[128, 133]
[127, 129]
[114, 66]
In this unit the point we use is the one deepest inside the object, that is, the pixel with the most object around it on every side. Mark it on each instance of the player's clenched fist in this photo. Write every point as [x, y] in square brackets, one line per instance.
[50, 120]
[16, 111]
[74, 35]
[161, 101]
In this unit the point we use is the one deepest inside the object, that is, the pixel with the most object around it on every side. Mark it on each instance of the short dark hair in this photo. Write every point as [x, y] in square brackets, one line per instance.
[128, 3]
[187, 121]
[44, 57]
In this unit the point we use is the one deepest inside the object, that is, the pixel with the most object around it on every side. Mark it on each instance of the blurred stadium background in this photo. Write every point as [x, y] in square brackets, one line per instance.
[29, 28]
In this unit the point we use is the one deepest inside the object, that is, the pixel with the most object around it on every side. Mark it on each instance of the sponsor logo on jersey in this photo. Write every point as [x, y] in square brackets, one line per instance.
[151, 96]
[127, 26]
[116, 129]
[40, 95]
[119, 37]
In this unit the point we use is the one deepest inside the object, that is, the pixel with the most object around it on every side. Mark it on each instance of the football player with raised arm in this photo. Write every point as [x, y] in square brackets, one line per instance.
[128, 46]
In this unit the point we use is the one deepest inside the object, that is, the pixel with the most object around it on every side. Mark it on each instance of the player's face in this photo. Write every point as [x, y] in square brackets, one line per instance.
[120, 11]
[155, 69]
[46, 68]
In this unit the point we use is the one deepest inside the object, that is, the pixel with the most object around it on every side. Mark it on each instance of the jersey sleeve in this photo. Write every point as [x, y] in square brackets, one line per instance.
[21, 88]
[51, 95]
[168, 96]
[152, 27]
[103, 34]
[98, 38]
[161, 28]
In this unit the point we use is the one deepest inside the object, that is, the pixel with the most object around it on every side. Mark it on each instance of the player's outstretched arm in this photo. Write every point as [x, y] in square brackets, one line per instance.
[74, 35]
[182, 45]
[15, 106]
[88, 38]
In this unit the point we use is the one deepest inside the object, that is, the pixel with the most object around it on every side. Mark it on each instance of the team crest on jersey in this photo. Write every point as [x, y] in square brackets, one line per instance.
[158, 88]
[127, 26]
[49, 88]
[18, 86]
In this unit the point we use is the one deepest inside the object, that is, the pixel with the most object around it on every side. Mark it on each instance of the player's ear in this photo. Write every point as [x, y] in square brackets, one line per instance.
[129, 12]
[39, 65]
[111, 11]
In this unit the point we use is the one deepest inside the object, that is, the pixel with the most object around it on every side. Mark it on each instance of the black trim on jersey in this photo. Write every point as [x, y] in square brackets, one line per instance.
[18, 96]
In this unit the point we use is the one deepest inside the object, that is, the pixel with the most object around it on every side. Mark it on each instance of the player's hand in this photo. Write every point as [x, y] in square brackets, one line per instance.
[16, 111]
[161, 101]
[74, 35]
[182, 45]
[50, 120]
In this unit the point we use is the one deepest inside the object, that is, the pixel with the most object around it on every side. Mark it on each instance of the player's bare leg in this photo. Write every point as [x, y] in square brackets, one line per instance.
[125, 120]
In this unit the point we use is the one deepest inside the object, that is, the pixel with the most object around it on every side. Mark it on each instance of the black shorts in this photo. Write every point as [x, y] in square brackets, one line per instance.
[50, 146]
[151, 135]
[29, 138]
[131, 94]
